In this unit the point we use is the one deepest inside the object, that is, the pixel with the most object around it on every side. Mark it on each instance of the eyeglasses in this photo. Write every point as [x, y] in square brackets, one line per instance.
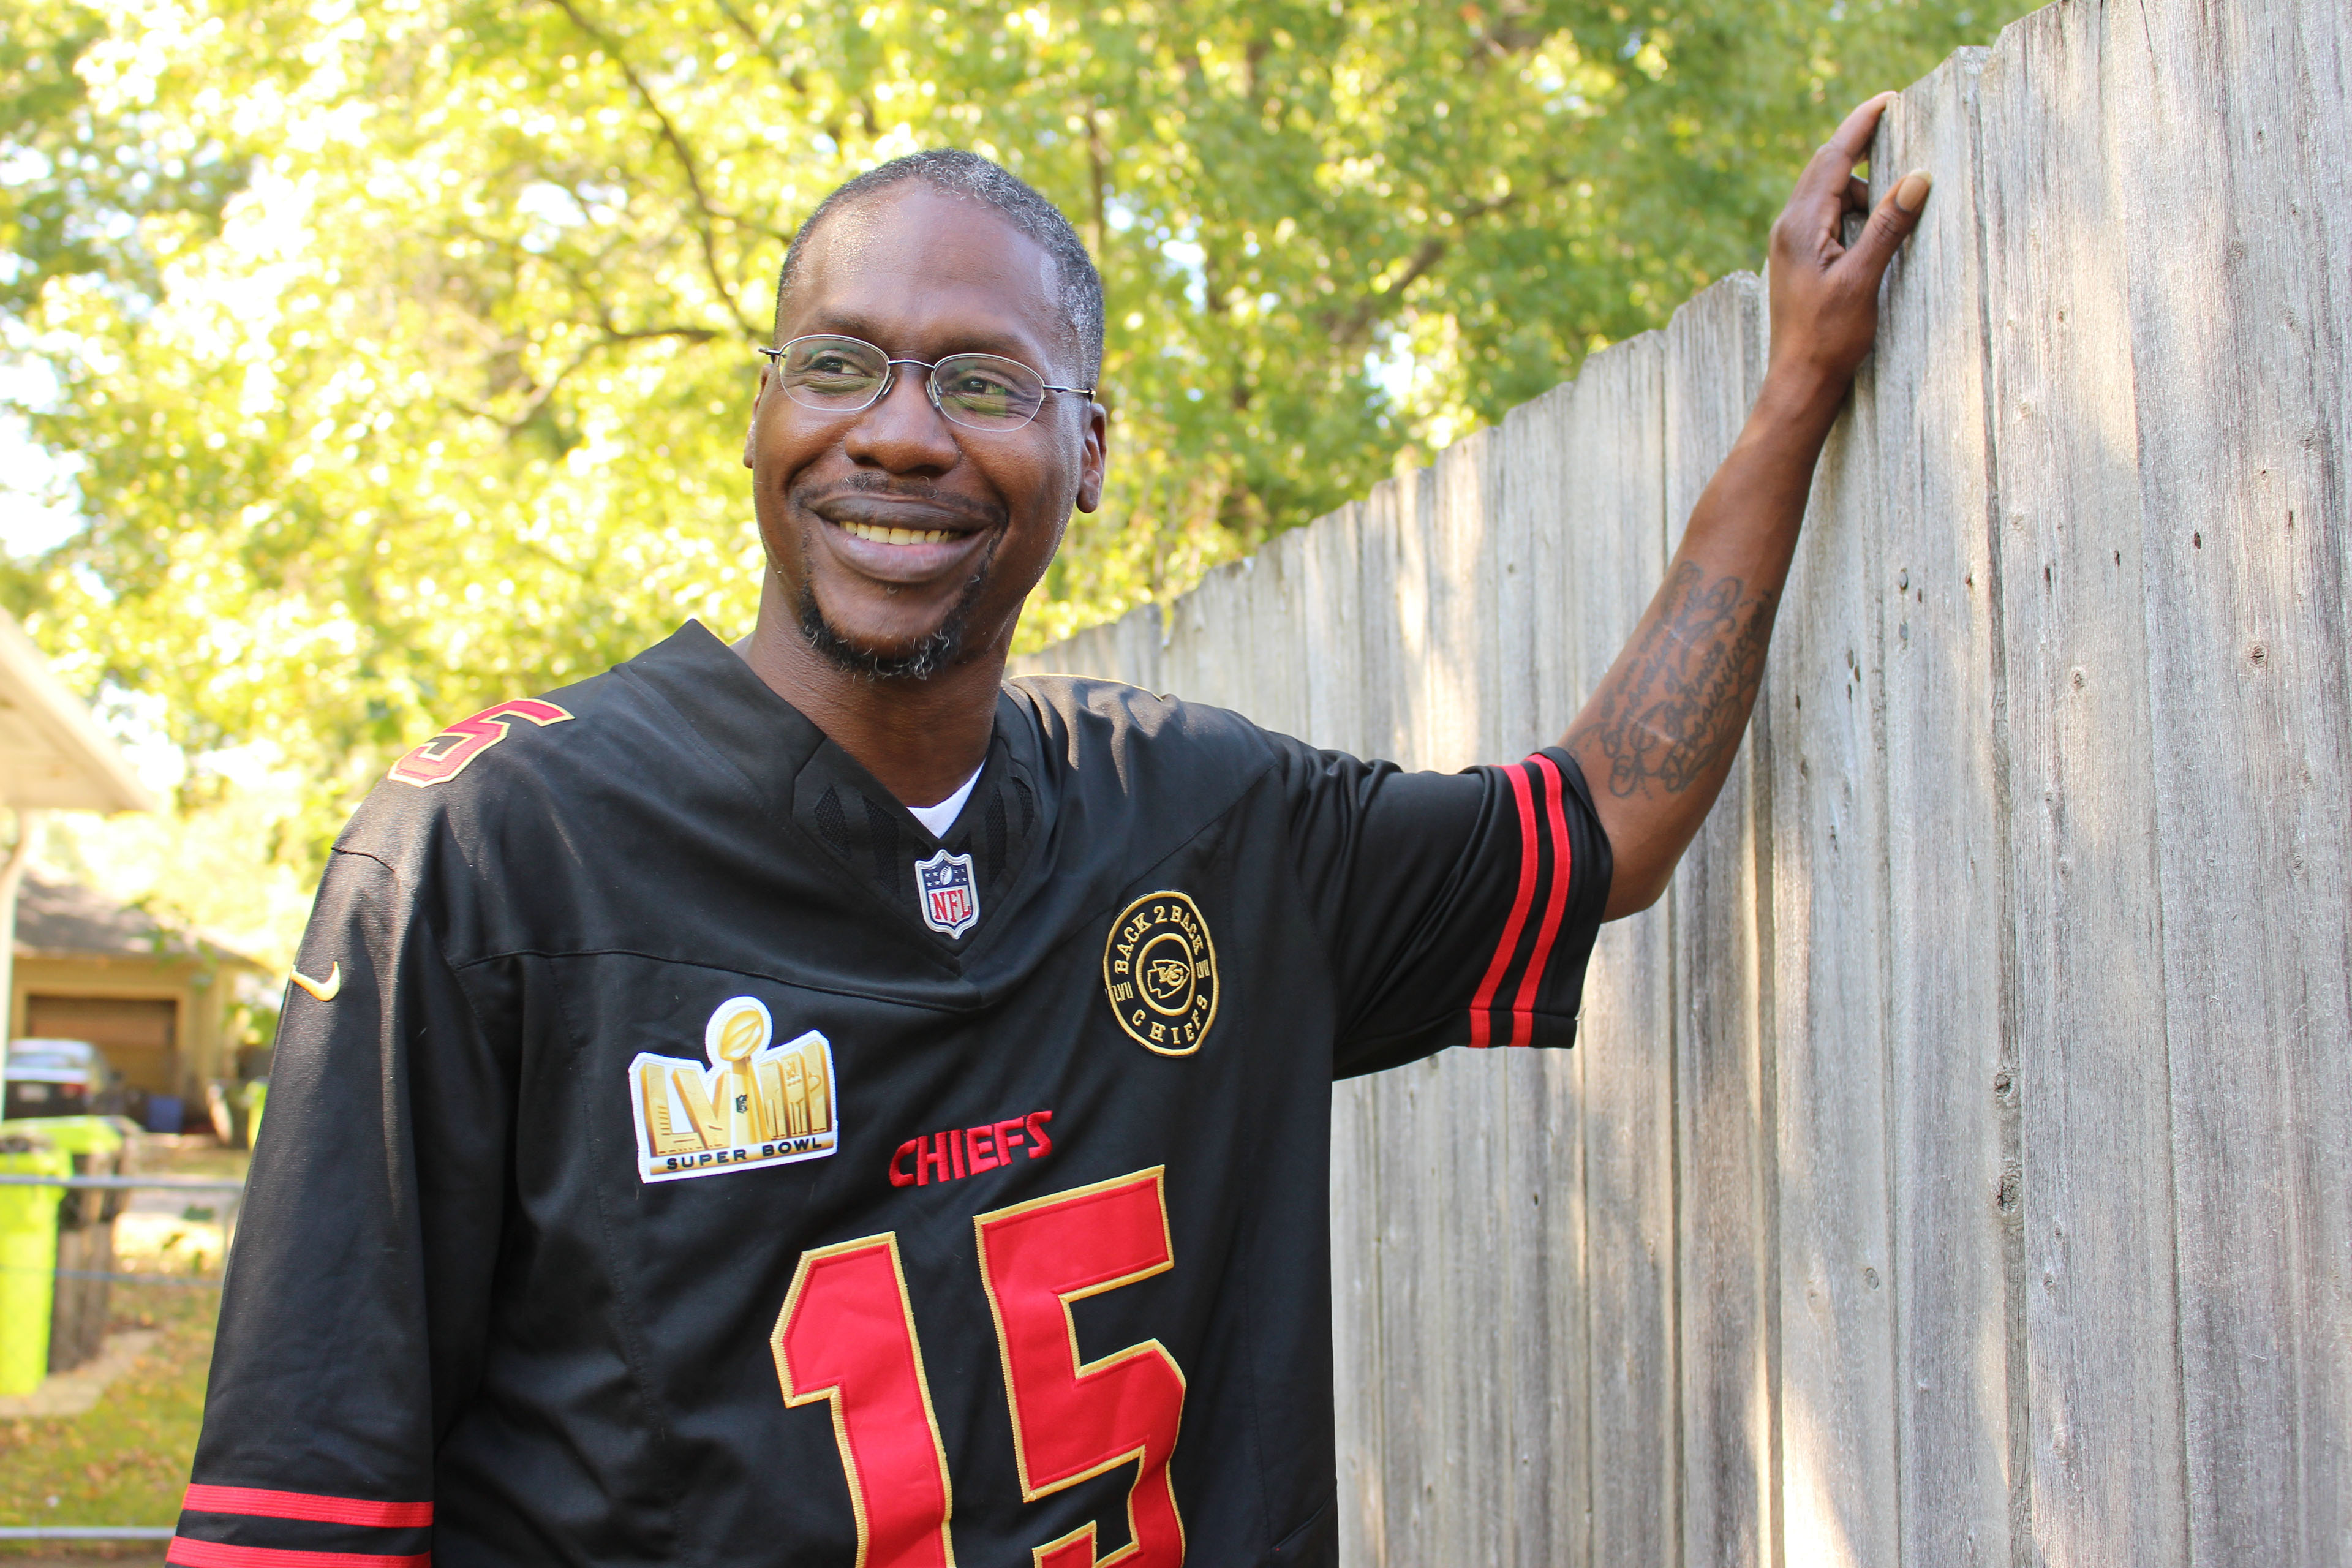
[842, 376]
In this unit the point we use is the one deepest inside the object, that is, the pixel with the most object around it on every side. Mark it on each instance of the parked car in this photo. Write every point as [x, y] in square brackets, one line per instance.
[60, 1077]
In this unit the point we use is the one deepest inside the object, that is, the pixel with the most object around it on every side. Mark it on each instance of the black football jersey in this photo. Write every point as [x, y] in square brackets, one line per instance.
[676, 1154]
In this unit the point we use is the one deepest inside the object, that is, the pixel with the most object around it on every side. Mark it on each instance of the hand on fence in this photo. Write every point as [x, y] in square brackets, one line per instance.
[1824, 291]
[1657, 739]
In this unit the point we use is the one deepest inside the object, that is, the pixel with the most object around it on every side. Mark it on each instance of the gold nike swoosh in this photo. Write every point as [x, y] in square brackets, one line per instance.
[325, 990]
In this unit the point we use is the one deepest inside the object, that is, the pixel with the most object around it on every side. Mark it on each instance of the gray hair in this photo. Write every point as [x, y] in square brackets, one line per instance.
[960, 174]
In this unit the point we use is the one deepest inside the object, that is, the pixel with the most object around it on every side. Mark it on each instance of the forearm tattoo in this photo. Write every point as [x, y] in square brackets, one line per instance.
[1678, 706]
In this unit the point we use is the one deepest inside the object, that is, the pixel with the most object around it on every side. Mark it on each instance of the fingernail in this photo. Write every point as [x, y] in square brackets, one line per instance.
[1911, 194]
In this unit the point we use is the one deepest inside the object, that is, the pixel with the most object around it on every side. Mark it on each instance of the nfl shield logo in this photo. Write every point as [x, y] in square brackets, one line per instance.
[950, 898]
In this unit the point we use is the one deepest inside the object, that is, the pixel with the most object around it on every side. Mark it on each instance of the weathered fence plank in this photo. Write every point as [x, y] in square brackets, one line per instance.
[1613, 550]
[1825, 700]
[1469, 1510]
[1549, 1377]
[1953, 1126]
[2101, 1332]
[1952, 1170]
[2253, 754]
[1342, 683]
[1359, 1360]
[1331, 610]
[1713, 365]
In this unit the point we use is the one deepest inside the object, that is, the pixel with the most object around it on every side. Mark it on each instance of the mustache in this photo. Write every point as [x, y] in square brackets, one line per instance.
[884, 501]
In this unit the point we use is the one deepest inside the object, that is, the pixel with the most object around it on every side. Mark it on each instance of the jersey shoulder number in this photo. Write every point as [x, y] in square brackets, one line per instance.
[446, 754]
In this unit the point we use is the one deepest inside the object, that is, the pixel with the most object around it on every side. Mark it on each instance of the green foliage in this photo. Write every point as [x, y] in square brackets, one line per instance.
[84, 184]
[450, 407]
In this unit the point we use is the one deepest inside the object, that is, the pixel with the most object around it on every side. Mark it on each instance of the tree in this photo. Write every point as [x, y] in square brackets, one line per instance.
[447, 409]
[91, 187]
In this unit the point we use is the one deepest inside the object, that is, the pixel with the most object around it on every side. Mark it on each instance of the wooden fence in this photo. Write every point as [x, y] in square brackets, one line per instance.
[1956, 1166]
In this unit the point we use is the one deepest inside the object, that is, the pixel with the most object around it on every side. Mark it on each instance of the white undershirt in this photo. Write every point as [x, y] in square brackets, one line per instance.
[937, 819]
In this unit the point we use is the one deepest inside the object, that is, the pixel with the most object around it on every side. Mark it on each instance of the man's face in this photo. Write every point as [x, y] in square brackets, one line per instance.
[903, 540]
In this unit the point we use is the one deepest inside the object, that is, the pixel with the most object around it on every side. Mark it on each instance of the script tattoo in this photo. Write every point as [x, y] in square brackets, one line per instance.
[1680, 703]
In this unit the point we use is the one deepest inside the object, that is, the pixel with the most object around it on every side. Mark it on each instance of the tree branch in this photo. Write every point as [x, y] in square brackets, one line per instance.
[1356, 322]
[611, 336]
[1097, 170]
[1352, 328]
[643, 334]
[705, 231]
[793, 77]
[742, 25]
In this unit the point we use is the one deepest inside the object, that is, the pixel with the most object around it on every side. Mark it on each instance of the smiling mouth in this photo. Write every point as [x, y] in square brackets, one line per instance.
[876, 535]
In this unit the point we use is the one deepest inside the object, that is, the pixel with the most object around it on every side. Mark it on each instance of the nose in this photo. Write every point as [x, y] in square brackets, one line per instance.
[901, 432]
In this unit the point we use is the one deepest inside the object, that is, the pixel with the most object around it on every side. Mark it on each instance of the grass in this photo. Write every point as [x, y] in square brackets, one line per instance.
[126, 1461]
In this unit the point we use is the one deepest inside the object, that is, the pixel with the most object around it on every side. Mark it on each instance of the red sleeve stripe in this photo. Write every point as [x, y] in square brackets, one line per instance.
[263, 1504]
[214, 1554]
[1563, 861]
[1480, 1022]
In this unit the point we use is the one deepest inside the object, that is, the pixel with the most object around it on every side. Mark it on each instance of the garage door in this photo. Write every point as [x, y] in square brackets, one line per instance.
[137, 1035]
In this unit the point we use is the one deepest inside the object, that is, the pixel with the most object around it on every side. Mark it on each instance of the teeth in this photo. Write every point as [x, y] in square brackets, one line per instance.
[897, 535]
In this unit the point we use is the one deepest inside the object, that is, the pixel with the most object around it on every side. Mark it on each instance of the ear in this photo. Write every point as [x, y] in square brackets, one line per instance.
[751, 426]
[1094, 458]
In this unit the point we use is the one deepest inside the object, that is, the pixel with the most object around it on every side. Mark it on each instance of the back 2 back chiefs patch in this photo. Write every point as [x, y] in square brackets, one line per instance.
[1159, 972]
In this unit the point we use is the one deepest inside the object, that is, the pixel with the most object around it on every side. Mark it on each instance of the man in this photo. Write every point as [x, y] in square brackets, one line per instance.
[816, 1102]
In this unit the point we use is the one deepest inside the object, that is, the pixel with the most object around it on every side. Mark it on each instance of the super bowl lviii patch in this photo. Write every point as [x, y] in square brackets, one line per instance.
[756, 1103]
[1160, 970]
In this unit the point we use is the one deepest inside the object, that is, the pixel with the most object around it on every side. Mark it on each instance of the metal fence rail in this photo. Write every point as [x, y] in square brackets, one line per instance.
[128, 1183]
[229, 1185]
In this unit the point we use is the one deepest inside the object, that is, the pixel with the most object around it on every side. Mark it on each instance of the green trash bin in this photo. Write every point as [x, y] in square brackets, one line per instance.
[84, 1294]
[98, 1139]
[28, 1257]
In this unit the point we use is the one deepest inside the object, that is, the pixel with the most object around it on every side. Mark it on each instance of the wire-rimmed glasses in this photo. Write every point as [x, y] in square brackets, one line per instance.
[842, 376]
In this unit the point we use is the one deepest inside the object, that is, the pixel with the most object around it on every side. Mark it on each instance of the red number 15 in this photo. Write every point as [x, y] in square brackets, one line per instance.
[846, 1334]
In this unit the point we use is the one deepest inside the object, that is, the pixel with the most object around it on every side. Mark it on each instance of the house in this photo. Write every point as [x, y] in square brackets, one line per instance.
[155, 999]
[54, 757]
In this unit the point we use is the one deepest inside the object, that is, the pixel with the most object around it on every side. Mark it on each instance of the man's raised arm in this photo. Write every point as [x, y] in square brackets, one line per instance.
[1656, 740]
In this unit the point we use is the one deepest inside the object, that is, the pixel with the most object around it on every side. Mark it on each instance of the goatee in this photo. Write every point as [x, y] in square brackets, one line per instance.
[938, 648]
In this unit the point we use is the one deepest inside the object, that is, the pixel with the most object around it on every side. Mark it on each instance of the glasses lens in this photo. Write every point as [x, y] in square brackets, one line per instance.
[987, 392]
[835, 374]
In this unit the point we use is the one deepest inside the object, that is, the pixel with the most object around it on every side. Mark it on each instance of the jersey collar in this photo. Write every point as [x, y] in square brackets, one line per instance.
[858, 828]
